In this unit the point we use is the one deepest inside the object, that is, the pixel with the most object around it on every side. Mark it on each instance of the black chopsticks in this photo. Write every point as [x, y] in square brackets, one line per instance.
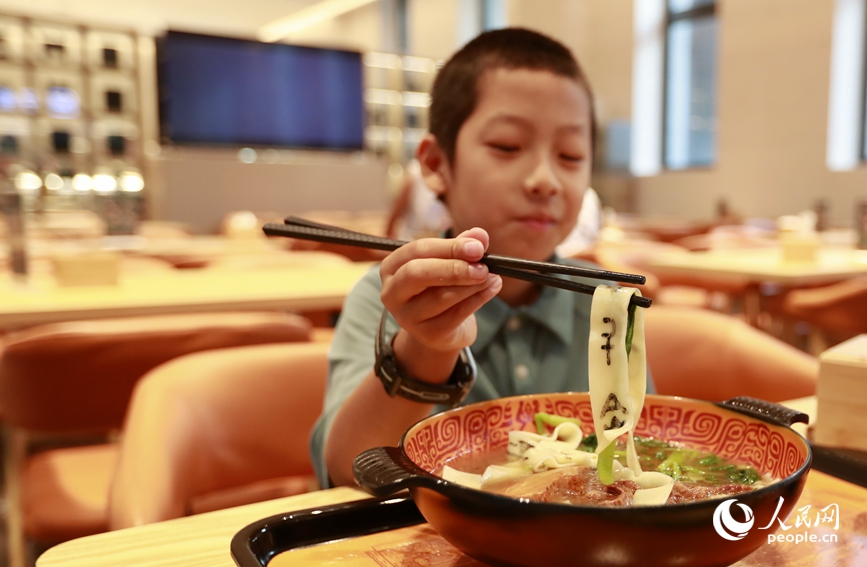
[527, 270]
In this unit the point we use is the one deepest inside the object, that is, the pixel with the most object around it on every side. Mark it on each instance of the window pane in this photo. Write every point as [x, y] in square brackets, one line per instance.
[678, 6]
[690, 106]
[864, 128]
[494, 15]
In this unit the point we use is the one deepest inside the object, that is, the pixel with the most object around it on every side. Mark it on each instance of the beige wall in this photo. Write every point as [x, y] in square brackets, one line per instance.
[360, 30]
[433, 28]
[199, 186]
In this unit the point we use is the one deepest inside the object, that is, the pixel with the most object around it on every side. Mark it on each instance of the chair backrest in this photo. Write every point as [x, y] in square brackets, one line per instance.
[79, 376]
[840, 307]
[706, 355]
[210, 421]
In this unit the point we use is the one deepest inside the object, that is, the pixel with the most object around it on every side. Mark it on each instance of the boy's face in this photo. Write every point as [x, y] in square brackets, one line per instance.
[522, 162]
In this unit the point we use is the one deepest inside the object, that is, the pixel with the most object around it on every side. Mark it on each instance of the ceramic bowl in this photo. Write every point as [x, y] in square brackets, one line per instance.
[499, 530]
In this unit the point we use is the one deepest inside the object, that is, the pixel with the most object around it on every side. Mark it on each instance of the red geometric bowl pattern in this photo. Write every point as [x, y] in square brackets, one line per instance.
[484, 426]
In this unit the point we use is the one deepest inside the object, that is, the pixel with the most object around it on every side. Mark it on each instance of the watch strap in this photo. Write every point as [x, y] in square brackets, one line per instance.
[398, 383]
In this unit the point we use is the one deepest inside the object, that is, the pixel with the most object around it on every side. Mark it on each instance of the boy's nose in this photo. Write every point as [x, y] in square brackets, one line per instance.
[543, 181]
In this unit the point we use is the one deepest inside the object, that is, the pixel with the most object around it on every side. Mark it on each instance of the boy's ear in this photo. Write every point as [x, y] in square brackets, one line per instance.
[435, 167]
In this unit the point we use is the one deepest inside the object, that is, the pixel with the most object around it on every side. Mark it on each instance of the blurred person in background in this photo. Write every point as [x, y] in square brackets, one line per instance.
[586, 231]
[417, 212]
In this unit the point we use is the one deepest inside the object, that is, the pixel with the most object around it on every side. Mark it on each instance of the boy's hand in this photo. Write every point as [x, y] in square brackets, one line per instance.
[433, 287]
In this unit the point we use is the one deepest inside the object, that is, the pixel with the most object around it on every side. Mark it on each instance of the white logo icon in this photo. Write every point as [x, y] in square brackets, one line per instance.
[726, 526]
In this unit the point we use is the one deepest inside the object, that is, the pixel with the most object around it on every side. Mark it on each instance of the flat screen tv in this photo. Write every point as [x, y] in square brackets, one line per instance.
[227, 91]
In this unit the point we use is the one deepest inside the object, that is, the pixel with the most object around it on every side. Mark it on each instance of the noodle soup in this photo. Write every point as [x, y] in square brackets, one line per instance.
[696, 475]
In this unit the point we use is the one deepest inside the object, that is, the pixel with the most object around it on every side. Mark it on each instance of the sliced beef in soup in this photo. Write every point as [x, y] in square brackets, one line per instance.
[682, 492]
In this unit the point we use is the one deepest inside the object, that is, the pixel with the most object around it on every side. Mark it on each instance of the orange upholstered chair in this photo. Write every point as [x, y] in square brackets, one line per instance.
[707, 355]
[74, 380]
[218, 429]
[835, 313]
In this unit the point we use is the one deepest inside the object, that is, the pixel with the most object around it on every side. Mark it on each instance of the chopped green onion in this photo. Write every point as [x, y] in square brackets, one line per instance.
[589, 443]
[542, 419]
[743, 476]
[709, 460]
[630, 327]
[605, 464]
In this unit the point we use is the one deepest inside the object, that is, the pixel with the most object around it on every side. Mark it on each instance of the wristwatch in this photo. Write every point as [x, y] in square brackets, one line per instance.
[399, 383]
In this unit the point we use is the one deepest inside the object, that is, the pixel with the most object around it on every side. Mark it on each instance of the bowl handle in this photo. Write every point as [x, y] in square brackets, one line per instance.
[767, 411]
[386, 470]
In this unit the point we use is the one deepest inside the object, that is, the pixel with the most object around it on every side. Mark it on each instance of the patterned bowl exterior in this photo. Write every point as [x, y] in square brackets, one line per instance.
[484, 426]
[503, 531]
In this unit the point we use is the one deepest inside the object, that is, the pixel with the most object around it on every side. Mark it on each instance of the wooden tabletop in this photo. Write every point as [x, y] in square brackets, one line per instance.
[40, 300]
[766, 265]
[194, 541]
[203, 540]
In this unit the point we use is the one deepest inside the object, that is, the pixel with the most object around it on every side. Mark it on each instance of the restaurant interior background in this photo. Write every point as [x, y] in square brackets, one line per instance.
[773, 86]
[710, 112]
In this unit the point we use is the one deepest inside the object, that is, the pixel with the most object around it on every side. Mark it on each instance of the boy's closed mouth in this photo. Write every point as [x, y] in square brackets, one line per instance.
[538, 223]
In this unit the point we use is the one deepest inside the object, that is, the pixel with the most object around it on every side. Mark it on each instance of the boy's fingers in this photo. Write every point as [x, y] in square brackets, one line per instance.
[450, 321]
[415, 277]
[470, 246]
[434, 301]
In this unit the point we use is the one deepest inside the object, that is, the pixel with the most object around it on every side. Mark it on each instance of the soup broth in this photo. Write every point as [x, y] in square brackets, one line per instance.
[696, 474]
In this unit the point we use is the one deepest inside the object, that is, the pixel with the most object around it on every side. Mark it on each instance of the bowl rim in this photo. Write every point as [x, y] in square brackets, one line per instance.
[448, 488]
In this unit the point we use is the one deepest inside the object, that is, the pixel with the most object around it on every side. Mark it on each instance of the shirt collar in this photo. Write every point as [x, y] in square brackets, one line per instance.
[554, 310]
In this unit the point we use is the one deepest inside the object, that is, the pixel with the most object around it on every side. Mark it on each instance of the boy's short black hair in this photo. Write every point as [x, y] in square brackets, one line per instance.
[455, 89]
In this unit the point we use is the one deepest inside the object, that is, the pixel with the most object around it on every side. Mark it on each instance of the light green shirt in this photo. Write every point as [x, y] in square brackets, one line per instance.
[522, 350]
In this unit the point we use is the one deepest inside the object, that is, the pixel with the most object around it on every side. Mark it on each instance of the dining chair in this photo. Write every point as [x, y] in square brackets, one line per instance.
[703, 354]
[64, 391]
[835, 312]
[218, 429]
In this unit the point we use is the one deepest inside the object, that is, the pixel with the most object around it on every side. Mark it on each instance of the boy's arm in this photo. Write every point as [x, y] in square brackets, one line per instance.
[428, 289]
[368, 418]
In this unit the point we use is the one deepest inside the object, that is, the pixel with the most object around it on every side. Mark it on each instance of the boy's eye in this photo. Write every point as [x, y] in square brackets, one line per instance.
[507, 148]
[572, 158]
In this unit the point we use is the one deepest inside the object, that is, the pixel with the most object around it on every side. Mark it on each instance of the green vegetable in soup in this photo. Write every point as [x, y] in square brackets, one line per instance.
[630, 328]
[605, 464]
[542, 419]
[742, 476]
[589, 443]
[691, 466]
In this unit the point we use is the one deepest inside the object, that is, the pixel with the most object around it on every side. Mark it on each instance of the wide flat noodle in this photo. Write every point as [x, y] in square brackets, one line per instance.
[617, 382]
[544, 452]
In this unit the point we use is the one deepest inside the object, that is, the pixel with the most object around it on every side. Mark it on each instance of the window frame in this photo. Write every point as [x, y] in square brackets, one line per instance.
[862, 137]
[694, 13]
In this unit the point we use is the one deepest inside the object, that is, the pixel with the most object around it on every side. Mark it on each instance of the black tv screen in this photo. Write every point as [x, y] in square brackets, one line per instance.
[226, 91]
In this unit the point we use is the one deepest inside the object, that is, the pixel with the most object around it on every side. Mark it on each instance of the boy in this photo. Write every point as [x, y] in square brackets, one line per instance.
[509, 152]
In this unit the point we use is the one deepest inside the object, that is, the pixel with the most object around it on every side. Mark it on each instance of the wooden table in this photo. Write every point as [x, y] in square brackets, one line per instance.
[766, 265]
[204, 540]
[753, 267]
[40, 300]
